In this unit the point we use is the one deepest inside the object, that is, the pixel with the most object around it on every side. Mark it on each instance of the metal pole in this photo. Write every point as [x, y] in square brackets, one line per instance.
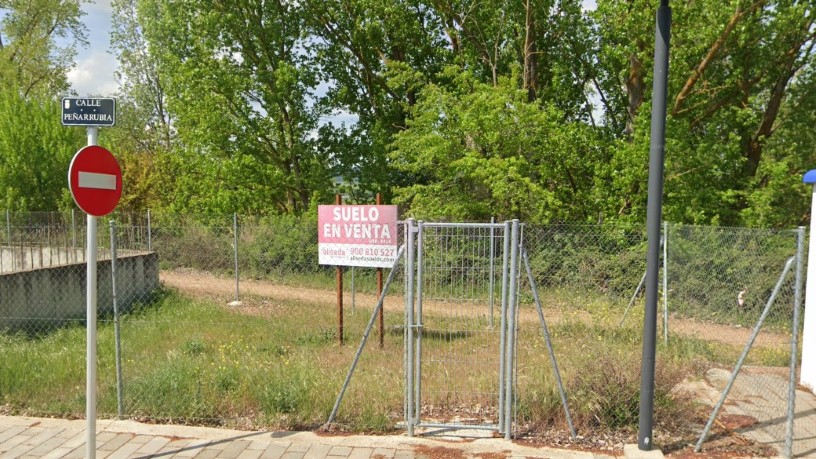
[235, 243]
[149, 233]
[116, 331]
[90, 362]
[510, 341]
[409, 379]
[548, 341]
[797, 305]
[492, 282]
[744, 354]
[365, 336]
[653, 217]
[353, 291]
[73, 234]
[632, 301]
[503, 321]
[407, 288]
[8, 234]
[418, 319]
[665, 240]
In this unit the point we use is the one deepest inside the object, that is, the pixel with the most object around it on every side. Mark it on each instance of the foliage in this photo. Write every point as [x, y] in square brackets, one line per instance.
[267, 108]
[35, 151]
[479, 151]
[38, 41]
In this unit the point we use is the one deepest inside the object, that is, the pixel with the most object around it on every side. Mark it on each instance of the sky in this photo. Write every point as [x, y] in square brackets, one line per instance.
[93, 74]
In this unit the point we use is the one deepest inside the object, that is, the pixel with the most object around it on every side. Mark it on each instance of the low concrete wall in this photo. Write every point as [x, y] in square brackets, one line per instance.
[40, 299]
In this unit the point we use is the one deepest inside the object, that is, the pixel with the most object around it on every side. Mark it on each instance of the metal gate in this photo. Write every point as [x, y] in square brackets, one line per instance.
[461, 284]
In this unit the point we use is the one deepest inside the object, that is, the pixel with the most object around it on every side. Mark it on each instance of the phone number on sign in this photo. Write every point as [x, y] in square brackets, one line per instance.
[372, 251]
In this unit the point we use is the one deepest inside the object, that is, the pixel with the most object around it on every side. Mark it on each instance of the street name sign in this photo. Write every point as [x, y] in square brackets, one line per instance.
[95, 180]
[88, 111]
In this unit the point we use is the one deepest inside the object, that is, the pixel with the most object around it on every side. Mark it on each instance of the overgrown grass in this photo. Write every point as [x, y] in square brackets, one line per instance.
[278, 365]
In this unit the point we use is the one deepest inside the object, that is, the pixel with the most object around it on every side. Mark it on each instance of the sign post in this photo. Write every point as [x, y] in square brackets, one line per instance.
[95, 181]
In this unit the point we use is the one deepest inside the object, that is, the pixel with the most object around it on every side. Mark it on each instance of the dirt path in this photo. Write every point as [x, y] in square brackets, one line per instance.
[203, 284]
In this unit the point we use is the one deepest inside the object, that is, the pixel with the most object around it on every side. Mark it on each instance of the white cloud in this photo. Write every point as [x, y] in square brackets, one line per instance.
[93, 75]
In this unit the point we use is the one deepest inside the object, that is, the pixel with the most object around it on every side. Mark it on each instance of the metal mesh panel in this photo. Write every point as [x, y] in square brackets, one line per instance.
[460, 311]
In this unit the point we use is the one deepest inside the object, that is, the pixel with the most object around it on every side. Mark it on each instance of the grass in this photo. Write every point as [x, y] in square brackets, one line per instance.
[279, 366]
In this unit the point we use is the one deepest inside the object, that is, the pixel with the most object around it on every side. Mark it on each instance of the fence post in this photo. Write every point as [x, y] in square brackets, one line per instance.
[503, 321]
[409, 325]
[149, 233]
[797, 305]
[73, 234]
[235, 243]
[116, 331]
[492, 282]
[665, 283]
[510, 335]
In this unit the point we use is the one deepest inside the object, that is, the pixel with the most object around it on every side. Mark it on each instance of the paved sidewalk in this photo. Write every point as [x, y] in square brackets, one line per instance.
[24, 437]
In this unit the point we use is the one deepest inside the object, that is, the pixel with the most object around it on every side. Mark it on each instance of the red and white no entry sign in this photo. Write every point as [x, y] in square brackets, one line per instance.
[95, 180]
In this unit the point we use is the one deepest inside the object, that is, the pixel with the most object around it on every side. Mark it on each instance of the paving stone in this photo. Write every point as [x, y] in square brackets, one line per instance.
[114, 443]
[343, 451]
[360, 453]
[233, 449]
[317, 451]
[383, 453]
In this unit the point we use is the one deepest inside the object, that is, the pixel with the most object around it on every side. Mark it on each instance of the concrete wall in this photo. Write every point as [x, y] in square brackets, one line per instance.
[21, 258]
[40, 299]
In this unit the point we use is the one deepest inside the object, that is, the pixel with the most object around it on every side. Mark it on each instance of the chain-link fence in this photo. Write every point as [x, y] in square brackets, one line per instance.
[270, 358]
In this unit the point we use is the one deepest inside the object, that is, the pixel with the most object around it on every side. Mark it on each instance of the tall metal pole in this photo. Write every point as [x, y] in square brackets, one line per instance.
[653, 217]
[117, 341]
[90, 362]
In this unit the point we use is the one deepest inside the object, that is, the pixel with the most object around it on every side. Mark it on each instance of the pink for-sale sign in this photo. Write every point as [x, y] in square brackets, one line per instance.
[357, 235]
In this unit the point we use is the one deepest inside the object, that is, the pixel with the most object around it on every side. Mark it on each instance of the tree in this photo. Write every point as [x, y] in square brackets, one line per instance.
[30, 31]
[734, 70]
[488, 152]
[238, 88]
[35, 151]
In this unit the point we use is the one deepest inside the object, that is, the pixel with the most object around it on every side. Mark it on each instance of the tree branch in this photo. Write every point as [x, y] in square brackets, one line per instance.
[709, 57]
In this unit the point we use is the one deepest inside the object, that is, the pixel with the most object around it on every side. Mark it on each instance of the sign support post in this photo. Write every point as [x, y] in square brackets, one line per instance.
[95, 181]
[90, 363]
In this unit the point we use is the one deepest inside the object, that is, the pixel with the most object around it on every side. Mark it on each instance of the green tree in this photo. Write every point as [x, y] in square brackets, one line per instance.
[238, 87]
[143, 135]
[30, 31]
[486, 151]
[35, 151]
[735, 72]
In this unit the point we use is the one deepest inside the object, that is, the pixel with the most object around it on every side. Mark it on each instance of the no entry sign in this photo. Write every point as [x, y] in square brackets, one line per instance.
[95, 180]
